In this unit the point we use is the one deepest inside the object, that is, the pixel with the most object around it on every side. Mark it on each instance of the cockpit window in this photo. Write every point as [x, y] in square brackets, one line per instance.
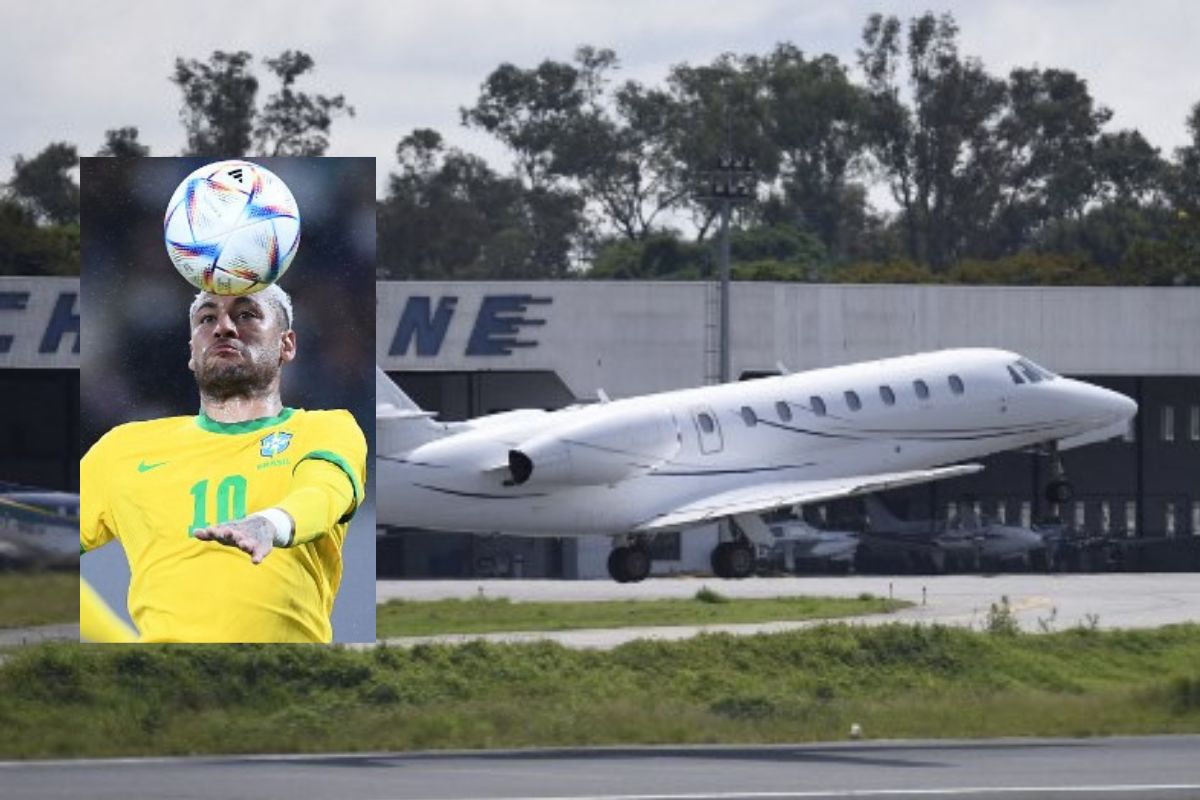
[1032, 371]
[1016, 376]
[1046, 374]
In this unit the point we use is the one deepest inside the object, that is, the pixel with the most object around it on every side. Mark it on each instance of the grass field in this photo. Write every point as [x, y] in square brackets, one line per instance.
[895, 681]
[38, 598]
[484, 615]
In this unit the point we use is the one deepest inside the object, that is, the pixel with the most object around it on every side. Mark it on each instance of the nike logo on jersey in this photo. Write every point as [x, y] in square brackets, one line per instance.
[144, 467]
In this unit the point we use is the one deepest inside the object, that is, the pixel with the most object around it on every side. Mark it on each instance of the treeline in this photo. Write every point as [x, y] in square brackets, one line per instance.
[913, 164]
[221, 116]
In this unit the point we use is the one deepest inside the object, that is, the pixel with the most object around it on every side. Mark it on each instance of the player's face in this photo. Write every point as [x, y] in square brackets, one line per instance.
[238, 346]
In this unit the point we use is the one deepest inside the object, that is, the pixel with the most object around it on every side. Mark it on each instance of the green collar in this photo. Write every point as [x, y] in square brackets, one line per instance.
[249, 426]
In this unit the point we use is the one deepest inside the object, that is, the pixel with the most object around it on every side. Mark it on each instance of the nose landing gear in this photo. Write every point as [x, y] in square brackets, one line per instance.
[1058, 490]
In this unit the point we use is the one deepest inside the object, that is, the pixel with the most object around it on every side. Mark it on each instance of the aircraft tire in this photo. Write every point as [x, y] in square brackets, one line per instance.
[734, 560]
[629, 564]
[1059, 491]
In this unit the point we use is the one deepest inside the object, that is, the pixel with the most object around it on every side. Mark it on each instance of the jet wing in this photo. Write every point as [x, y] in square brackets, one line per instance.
[767, 496]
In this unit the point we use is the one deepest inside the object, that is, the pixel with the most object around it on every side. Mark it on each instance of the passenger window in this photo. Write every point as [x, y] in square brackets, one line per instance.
[784, 411]
[956, 384]
[889, 397]
[818, 405]
[921, 388]
[852, 401]
[749, 417]
[1015, 376]
[706, 423]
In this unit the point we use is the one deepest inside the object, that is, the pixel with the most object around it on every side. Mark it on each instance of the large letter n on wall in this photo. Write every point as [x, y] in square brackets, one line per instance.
[421, 323]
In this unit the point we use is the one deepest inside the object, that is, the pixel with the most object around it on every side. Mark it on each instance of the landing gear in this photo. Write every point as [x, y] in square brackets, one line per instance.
[733, 559]
[1059, 490]
[629, 563]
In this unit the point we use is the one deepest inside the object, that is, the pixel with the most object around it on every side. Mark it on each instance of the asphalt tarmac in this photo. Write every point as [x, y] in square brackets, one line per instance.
[1039, 602]
[1144, 767]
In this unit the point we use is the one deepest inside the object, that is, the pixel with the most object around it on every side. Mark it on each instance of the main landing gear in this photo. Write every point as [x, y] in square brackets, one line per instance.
[741, 536]
[733, 559]
[629, 562]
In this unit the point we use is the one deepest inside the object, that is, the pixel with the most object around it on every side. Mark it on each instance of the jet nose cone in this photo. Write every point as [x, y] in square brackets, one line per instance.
[1120, 406]
[1127, 407]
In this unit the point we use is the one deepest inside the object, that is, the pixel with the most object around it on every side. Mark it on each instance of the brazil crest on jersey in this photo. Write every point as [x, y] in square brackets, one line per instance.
[151, 484]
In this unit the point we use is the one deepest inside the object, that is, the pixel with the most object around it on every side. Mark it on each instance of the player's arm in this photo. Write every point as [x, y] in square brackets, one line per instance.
[95, 528]
[321, 496]
[326, 489]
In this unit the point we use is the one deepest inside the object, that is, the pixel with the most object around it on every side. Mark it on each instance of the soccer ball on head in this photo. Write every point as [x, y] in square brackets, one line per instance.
[232, 227]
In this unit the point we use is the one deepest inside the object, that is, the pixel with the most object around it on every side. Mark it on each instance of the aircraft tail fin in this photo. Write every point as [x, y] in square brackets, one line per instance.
[400, 424]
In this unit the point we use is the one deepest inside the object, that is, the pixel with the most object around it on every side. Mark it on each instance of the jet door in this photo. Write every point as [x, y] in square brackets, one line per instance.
[708, 428]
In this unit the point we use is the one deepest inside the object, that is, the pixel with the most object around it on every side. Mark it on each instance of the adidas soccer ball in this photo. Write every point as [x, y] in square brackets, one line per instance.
[232, 227]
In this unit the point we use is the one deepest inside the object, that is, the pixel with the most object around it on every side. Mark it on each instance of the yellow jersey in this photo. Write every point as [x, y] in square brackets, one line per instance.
[151, 484]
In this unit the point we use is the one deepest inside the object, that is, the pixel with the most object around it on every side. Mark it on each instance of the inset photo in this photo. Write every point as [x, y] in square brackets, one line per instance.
[227, 399]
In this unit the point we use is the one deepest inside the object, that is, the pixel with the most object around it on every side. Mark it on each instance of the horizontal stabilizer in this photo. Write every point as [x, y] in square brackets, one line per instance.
[768, 496]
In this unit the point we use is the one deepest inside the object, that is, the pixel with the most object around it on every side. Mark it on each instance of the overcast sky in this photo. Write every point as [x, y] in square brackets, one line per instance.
[72, 70]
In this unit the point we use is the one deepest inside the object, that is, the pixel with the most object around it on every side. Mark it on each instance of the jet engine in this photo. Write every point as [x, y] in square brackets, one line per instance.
[603, 450]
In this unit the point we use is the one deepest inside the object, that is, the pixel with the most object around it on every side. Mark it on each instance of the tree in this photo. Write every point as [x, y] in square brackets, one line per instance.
[123, 143]
[44, 184]
[818, 120]
[1048, 136]
[218, 103]
[1129, 170]
[940, 156]
[447, 214]
[221, 117]
[721, 112]
[294, 123]
[27, 248]
[1184, 175]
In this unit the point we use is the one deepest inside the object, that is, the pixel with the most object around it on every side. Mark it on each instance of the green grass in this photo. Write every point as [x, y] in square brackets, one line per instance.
[484, 615]
[38, 598]
[895, 681]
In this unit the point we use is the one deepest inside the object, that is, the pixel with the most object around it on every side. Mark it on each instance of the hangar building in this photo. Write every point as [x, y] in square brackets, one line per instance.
[469, 349]
[39, 376]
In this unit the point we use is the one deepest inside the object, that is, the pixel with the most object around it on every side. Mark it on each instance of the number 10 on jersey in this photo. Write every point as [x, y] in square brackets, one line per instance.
[229, 500]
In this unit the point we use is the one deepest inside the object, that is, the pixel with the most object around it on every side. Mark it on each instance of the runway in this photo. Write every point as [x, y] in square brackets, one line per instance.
[1039, 602]
[1144, 767]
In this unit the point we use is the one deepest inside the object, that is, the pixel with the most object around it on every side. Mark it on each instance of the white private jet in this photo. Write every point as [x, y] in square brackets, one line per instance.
[636, 467]
[38, 527]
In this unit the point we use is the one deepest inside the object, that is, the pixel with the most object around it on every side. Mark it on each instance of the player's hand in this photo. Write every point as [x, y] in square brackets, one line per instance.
[252, 535]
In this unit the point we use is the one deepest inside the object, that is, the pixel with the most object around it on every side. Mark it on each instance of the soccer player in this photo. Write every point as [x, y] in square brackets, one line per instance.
[232, 520]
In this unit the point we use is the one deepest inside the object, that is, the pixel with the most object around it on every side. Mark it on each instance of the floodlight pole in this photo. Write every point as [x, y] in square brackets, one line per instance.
[726, 205]
[731, 182]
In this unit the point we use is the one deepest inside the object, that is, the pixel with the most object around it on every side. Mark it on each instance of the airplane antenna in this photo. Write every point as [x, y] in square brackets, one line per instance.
[603, 395]
[782, 369]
